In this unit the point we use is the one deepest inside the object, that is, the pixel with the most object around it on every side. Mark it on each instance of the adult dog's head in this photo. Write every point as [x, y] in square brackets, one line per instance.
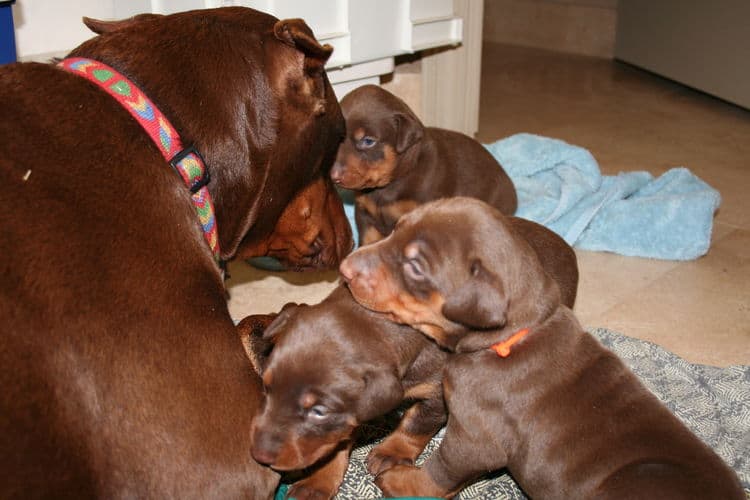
[262, 114]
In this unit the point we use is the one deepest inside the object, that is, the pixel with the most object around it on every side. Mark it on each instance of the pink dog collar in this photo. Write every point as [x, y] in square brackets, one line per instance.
[186, 161]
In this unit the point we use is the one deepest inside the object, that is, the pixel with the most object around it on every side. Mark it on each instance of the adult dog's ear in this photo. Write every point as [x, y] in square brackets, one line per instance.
[409, 131]
[296, 33]
[383, 391]
[480, 303]
[99, 27]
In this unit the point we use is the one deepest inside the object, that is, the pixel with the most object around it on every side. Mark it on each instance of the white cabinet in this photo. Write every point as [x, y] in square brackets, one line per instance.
[365, 35]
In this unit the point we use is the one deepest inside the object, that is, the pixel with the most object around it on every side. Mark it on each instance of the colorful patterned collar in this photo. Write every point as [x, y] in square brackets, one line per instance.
[186, 160]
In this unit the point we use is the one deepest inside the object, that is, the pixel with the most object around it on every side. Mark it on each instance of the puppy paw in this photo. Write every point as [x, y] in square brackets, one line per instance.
[399, 448]
[408, 481]
[379, 461]
[303, 490]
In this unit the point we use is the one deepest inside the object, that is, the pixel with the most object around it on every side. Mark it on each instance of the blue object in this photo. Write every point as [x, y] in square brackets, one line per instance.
[7, 33]
[560, 186]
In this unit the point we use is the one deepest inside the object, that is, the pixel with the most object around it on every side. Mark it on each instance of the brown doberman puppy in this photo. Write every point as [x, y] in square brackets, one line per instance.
[327, 369]
[395, 163]
[336, 326]
[312, 232]
[526, 388]
[121, 368]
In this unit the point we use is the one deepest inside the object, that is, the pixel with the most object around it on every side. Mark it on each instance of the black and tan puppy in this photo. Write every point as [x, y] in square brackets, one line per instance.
[526, 388]
[395, 163]
[327, 369]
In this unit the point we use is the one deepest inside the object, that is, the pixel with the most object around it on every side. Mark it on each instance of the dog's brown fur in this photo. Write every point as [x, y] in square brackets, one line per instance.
[327, 369]
[395, 163]
[310, 359]
[312, 232]
[561, 412]
[122, 372]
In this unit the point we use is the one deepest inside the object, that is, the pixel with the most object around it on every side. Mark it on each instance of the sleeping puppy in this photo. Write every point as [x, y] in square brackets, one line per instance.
[395, 163]
[526, 388]
[327, 369]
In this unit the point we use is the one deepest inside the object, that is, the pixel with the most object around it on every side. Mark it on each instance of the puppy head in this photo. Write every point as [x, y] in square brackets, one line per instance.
[455, 270]
[312, 232]
[318, 389]
[380, 127]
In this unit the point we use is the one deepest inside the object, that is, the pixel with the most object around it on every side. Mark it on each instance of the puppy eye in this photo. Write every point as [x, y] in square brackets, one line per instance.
[413, 269]
[366, 142]
[317, 412]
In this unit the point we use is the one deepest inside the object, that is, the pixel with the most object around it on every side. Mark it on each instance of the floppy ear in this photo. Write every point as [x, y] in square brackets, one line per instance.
[257, 334]
[296, 33]
[98, 26]
[251, 330]
[409, 131]
[480, 303]
[383, 392]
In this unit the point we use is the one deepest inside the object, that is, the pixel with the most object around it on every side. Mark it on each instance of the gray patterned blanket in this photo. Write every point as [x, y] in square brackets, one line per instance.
[713, 402]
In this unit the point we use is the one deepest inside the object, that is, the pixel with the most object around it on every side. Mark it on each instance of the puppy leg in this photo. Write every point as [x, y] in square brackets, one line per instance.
[325, 481]
[461, 457]
[366, 225]
[403, 445]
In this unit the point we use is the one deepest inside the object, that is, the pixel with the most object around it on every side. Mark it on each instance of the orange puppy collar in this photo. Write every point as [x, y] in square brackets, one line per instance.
[503, 348]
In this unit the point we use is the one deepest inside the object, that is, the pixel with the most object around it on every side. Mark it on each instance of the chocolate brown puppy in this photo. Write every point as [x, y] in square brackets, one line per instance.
[327, 369]
[123, 376]
[395, 163]
[526, 388]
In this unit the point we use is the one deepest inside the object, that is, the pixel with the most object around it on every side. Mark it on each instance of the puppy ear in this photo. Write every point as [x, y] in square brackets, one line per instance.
[480, 303]
[383, 391]
[409, 131]
[257, 348]
[296, 33]
[99, 27]
[280, 322]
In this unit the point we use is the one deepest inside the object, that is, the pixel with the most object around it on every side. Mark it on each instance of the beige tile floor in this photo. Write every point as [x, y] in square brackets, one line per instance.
[629, 120]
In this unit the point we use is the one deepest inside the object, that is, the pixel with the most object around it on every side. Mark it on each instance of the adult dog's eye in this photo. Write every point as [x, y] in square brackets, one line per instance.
[317, 412]
[413, 269]
[366, 142]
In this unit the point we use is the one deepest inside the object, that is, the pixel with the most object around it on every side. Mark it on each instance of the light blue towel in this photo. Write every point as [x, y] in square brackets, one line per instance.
[560, 185]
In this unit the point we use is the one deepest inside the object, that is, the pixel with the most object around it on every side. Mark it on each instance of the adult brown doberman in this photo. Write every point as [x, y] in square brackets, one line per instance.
[121, 369]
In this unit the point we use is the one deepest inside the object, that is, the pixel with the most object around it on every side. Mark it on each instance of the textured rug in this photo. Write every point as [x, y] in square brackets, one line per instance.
[713, 402]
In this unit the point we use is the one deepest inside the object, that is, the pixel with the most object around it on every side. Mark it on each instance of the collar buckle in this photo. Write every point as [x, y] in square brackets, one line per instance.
[205, 175]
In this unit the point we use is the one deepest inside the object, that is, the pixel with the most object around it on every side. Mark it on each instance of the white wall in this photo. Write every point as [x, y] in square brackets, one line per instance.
[53, 26]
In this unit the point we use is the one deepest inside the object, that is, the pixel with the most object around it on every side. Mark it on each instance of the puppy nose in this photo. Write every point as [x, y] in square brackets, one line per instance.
[346, 269]
[264, 447]
[263, 456]
[337, 173]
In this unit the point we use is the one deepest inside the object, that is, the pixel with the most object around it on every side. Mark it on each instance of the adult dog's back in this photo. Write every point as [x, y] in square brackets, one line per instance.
[121, 369]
